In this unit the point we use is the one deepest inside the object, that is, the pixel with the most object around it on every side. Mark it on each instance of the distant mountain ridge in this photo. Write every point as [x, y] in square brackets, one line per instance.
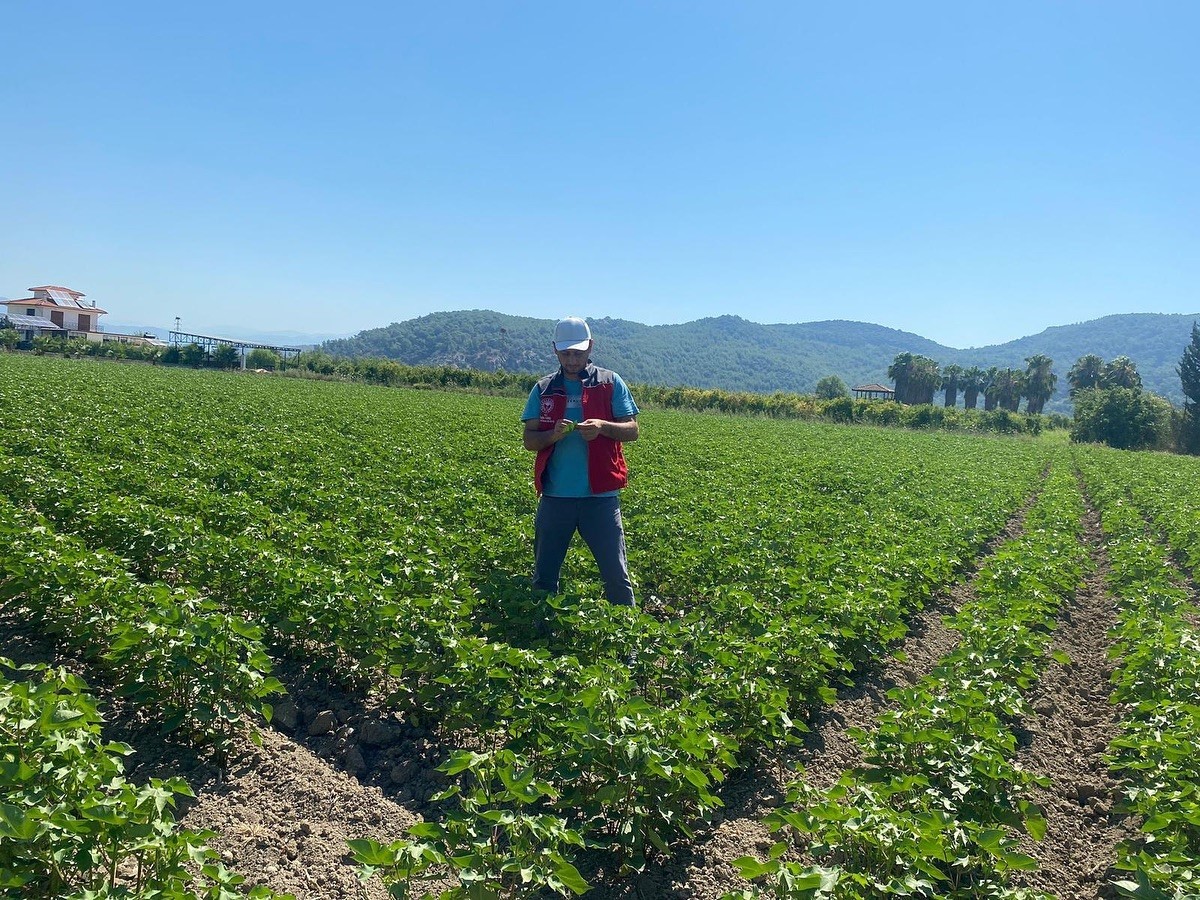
[732, 353]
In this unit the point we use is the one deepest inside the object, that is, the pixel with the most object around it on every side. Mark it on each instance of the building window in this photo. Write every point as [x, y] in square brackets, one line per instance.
[31, 312]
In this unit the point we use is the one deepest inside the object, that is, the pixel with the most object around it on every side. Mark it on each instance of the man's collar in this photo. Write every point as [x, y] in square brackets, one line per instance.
[587, 376]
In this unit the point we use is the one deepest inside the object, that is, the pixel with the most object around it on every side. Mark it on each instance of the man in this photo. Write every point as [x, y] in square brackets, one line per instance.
[576, 420]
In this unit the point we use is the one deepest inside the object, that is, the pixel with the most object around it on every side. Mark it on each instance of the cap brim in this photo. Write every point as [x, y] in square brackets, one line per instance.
[569, 345]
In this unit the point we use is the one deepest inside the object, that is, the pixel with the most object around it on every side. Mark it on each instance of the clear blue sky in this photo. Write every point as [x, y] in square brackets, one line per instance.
[972, 172]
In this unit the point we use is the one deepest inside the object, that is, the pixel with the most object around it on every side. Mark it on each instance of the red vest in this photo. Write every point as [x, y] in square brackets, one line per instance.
[606, 462]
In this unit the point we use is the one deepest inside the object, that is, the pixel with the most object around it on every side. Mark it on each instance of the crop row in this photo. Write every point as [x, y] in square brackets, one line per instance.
[1157, 682]
[71, 825]
[933, 809]
[173, 652]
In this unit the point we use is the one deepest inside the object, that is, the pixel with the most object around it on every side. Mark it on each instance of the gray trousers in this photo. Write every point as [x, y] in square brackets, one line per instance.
[598, 521]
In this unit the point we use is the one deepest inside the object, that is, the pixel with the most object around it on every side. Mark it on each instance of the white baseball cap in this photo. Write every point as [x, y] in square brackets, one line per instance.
[572, 333]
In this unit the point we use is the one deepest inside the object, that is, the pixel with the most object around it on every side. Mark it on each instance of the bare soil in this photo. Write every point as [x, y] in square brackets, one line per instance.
[1066, 741]
[282, 813]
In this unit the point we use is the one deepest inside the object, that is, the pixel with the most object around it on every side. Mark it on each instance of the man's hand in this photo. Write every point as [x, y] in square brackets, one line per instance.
[589, 429]
[538, 440]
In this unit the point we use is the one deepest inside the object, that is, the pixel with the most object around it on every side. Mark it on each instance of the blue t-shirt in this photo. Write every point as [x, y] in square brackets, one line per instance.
[566, 472]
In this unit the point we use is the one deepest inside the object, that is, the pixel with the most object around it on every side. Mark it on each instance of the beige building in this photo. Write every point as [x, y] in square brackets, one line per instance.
[57, 311]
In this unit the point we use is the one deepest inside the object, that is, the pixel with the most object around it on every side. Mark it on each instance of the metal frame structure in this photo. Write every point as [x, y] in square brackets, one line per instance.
[209, 343]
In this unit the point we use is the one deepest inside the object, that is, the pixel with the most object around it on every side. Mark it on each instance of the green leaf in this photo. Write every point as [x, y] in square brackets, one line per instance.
[1157, 822]
[16, 824]
[1035, 826]
[750, 868]
[372, 853]
[460, 761]
[13, 771]
[430, 831]
[570, 877]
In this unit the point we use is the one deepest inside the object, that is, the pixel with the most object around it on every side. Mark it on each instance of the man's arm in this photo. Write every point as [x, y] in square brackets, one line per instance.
[623, 429]
[536, 440]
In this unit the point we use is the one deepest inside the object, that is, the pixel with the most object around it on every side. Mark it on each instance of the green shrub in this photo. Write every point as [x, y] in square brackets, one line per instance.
[1125, 418]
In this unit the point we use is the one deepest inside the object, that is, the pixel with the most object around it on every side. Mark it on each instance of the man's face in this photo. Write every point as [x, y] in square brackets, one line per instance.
[573, 361]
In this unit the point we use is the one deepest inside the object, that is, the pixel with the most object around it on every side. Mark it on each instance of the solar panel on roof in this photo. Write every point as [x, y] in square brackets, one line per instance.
[21, 322]
[62, 298]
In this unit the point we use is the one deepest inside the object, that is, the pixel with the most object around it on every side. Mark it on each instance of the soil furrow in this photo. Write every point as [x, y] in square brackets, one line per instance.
[1066, 740]
[281, 814]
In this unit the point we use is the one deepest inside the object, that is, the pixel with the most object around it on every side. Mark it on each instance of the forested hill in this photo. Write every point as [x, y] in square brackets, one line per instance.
[731, 353]
[726, 352]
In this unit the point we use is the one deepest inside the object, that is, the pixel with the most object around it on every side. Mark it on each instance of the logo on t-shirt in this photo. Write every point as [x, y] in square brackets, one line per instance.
[547, 407]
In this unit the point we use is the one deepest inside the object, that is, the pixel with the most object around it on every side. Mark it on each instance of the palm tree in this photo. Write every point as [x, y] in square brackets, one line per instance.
[1018, 391]
[1085, 374]
[1040, 381]
[924, 380]
[1006, 390]
[951, 380]
[972, 381]
[916, 378]
[1121, 372]
[900, 371]
[989, 388]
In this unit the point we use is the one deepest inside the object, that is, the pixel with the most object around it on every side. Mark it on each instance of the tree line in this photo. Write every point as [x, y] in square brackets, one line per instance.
[1111, 405]
[918, 379]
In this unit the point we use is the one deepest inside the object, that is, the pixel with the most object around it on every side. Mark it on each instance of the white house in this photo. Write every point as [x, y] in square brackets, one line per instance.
[60, 312]
[54, 310]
